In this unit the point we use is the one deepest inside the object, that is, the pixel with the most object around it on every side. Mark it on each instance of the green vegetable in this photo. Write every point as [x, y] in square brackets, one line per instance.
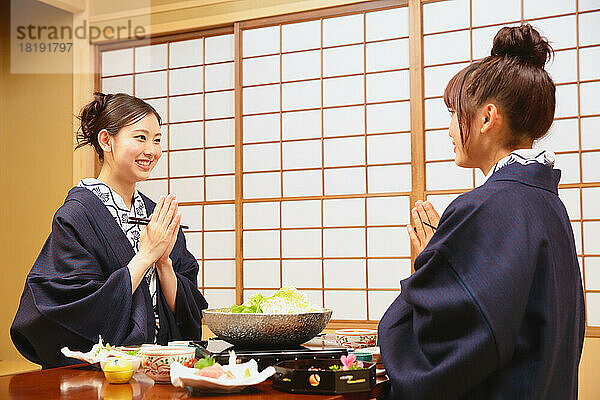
[247, 373]
[253, 305]
[131, 352]
[205, 362]
[335, 367]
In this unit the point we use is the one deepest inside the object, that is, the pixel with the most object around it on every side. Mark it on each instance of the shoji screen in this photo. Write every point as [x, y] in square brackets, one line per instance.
[326, 150]
[459, 31]
[190, 82]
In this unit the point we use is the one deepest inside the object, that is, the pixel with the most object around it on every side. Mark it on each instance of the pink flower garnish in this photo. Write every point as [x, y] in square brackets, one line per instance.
[348, 361]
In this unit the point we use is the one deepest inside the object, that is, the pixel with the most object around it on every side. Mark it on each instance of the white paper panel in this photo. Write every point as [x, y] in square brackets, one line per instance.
[488, 12]
[388, 117]
[590, 93]
[186, 52]
[588, 28]
[186, 108]
[117, 62]
[566, 101]
[219, 245]
[185, 80]
[338, 242]
[347, 304]
[441, 201]
[342, 91]
[387, 273]
[344, 121]
[301, 36]
[220, 188]
[591, 172]
[218, 48]
[591, 232]
[387, 179]
[219, 273]
[160, 168]
[261, 128]
[261, 215]
[149, 58]
[219, 105]
[569, 165]
[447, 175]
[388, 242]
[260, 41]
[584, 5]
[592, 273]
[261, 157]
[302, 273]
[303, 154]
[591, 203]
[343, 30]
[533, 8]
[387, 24]
[219, 216]
[219, 76]
[262, 185]
[589, 59]
[563, 67]
[263, 273]
[261, 99]
[561, 31]
[387, 210]
[438, 146]
[261, 244]
[379, 302]
[189, 189]
[298, 214]
[392, 148]
[186, 163]
[446, 47]
[576, 226]
[343, 60]
[218, 298]
[191, 216]
[261, 70]
[220, 132]
[388, 86]
[344, 212]
[436, 78]
[301, 243]
[570, 198]
[194, 246]
[160, 105]
[345, 181]
[382, 56]
[445, 16]
[152, 84]
[304, 65]
[345, 273]
[118, 84]
[345, 151]
[301, 124]
[590, 133]
[301, 95]
[302, 183]
[562, 136]
[183, 136]
[153, 189]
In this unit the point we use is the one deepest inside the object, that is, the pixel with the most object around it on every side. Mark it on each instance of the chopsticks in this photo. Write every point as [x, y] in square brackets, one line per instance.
[144, 221]
[429, 225]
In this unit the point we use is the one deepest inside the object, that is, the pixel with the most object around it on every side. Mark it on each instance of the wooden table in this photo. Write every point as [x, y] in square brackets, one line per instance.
[81, 382]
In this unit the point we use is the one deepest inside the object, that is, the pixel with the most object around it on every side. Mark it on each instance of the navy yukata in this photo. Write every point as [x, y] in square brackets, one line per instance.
[494, 309]
[80, 287]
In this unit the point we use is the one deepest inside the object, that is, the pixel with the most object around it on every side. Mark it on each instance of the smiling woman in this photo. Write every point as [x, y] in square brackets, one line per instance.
[97, 273]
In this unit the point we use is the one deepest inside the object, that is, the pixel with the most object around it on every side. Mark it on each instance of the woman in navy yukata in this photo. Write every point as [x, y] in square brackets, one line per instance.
[494, 309]
[97, 274]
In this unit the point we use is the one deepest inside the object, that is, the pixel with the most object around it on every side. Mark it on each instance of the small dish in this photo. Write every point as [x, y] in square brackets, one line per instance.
[356, 338]
[117, 370]
[156, 361]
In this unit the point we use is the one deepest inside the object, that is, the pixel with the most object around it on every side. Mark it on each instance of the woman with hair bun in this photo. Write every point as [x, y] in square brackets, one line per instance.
[494, 309]
[97, 274]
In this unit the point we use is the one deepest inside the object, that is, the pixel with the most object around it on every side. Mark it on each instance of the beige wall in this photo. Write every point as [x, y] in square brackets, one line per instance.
[35, 166]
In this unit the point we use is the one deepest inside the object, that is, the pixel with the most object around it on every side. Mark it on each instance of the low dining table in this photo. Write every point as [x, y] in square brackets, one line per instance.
[83, 382]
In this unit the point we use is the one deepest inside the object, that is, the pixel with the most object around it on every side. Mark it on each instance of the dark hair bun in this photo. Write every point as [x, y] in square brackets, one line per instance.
[523, 43]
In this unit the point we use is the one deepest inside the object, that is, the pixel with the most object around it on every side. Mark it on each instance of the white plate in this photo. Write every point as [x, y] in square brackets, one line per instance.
[182, 376]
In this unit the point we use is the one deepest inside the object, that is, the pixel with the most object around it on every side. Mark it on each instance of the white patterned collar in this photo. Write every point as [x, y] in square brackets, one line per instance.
[524, 156]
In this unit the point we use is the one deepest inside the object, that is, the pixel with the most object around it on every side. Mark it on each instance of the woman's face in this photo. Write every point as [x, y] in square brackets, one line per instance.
[461, 158]
[136, 149]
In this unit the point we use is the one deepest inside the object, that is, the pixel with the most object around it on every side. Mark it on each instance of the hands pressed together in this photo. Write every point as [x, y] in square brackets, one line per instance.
[420, 233]
[158, 237]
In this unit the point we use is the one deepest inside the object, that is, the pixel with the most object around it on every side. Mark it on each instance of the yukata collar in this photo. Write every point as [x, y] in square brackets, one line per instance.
[524, 157]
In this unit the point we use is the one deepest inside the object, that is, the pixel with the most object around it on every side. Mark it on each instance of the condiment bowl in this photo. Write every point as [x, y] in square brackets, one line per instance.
[356, 338]
[156, 361]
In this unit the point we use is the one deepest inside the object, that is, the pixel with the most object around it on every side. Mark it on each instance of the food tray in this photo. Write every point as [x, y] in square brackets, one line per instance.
[293, 376]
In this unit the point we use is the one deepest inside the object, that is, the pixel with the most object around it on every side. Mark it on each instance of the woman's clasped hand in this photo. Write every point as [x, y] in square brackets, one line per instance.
[158, 237]
[424, 218]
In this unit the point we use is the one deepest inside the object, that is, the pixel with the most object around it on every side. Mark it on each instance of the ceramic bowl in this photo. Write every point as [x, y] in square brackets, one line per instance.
[356, 338]
[156, 361]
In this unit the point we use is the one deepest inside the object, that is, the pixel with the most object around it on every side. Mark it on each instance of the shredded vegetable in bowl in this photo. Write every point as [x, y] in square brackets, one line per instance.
[287, 300]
